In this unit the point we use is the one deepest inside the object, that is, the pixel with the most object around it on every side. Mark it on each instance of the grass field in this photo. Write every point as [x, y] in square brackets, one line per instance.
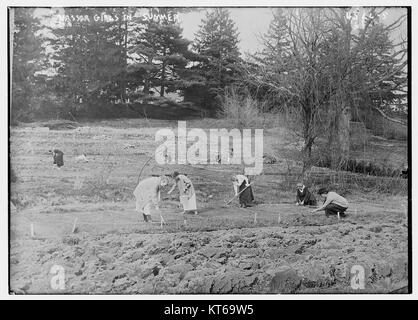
[222, 250]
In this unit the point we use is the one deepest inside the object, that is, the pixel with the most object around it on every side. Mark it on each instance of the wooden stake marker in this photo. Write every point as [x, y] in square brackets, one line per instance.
[74, 225]
[32, 232]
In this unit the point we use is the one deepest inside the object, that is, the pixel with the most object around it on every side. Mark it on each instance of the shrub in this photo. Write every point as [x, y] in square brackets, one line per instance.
[243, 110]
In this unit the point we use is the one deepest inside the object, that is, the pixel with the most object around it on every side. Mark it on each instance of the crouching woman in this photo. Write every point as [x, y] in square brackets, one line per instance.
[333, 203]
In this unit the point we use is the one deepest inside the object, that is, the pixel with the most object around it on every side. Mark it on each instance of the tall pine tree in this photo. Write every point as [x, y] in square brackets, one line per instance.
[90, 57]
[216, 43]
[159, 51]
[27, 60]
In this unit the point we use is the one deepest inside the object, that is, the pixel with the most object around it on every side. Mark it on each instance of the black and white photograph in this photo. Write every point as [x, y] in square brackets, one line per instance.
[209, 150]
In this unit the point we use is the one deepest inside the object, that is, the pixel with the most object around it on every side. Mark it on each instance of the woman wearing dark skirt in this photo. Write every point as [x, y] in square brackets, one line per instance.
[58, 157]
[242, 187]
[304, 197]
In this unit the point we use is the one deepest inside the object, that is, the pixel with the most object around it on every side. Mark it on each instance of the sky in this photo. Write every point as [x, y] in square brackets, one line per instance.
[252, 22]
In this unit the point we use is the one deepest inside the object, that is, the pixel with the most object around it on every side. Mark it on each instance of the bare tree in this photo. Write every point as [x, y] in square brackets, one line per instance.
[363, 62]
[292, 69]
[316, 67]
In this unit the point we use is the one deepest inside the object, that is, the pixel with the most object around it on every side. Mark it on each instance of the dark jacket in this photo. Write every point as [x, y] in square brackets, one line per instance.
[58, 156]
[306, 196]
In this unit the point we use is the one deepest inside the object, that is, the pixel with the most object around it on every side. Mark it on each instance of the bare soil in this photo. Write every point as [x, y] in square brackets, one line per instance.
[224, 249]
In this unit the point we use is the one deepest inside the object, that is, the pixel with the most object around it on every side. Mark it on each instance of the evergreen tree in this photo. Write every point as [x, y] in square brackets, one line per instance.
[27, 56]
[160, 52]
[90, 56]
[216, 43]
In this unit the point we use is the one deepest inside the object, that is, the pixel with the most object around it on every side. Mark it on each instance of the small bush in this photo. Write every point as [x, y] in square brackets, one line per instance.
[346, 182]
[244, 111]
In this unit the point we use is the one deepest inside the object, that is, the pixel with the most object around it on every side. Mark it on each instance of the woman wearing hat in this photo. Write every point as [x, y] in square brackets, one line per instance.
[243, 188]
[187, 192]
[303, 196]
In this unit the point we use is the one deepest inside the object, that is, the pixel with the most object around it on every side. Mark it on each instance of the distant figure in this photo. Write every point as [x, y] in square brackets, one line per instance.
[269, 159]
[81, 158]
[58, 157]
[333, 203]
[405, 173]
[243, 188]
[218, 159]
[147, 195]
[230, 155]
[228, 159]
[303, 196]
[13, 177]
[187, 192]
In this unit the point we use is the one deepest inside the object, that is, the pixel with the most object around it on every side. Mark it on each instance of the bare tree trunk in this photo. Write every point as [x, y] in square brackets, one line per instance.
[339, 131]
[163, 75]
[344, 132]
[162, 81]
[339, 142]
[125, 61]
[307, 161]
[345, 107]
[147, 84]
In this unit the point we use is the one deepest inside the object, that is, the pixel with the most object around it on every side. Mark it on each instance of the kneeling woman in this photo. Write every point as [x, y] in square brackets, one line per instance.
[147, 195]
[187, 193]
[303, 196]
[243, 188]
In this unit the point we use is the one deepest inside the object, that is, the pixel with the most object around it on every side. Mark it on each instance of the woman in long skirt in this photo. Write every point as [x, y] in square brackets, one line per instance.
[147, 195]
[187, 192]
[242, 187]
[58, 157]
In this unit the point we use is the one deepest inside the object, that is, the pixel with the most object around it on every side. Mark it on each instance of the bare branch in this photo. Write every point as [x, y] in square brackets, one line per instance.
[389, 118]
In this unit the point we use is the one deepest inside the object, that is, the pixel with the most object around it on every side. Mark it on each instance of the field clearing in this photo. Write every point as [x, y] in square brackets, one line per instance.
[222, 250]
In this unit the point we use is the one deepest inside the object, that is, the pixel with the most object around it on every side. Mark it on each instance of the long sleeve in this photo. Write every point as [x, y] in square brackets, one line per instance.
[297, 196]
[327, 202]
[235, 188]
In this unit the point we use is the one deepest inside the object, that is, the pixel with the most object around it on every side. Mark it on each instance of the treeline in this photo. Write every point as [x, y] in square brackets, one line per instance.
[85, 61]
[317, 68]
